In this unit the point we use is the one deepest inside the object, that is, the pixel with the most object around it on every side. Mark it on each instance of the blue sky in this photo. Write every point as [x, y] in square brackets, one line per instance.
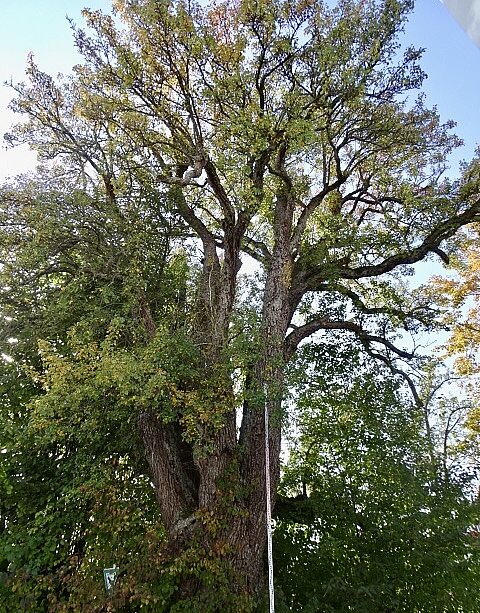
[41, 28]
[451, 60]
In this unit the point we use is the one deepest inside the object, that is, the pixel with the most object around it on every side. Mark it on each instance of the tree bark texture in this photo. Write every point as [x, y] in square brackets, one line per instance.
[235, 464]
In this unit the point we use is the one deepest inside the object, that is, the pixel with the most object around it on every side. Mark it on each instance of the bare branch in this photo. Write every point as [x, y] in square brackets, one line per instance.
[220, 193]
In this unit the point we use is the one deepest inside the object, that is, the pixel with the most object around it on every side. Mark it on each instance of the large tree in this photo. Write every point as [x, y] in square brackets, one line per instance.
[284, 137]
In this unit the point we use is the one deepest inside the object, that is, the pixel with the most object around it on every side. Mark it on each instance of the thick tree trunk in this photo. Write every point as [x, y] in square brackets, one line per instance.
[210, 519]
[220, 507]
[176, 487]
[248, 537]
[220, 511]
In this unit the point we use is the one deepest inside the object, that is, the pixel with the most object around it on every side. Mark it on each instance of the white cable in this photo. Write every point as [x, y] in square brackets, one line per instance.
[271, 593]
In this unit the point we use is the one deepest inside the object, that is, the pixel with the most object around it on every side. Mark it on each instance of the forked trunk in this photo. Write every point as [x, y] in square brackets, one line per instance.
[215, 519]
[213, 498]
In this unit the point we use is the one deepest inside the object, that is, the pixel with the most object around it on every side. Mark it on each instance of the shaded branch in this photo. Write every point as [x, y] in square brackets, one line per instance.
[220, 193]
[187, 213]
[256, 249]
[313, 279]
[430, 244]
[384, 310]
[302, 332]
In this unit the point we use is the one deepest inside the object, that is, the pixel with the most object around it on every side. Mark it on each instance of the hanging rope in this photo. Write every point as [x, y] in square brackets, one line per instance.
[271, 593]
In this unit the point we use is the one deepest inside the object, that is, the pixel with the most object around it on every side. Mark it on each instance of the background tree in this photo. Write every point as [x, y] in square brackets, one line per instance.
[191, 140]
[458, 296]
[365, 513]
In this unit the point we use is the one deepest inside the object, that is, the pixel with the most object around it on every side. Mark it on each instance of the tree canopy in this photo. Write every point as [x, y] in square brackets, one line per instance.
[221, 185]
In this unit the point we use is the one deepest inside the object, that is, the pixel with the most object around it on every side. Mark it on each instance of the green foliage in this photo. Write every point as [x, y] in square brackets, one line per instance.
[192, 136]
[380, 530]
[76, 497]
[77, 281]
